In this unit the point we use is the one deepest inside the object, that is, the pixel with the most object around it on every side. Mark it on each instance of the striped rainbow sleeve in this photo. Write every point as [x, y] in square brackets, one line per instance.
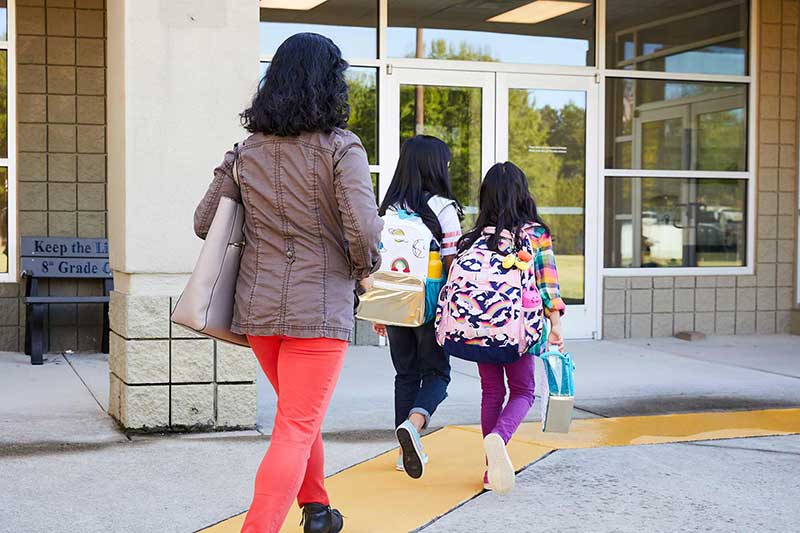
[546, 272]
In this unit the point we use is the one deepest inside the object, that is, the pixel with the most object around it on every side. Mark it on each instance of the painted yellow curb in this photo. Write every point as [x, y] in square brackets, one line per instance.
[660, 429]
[375, 497]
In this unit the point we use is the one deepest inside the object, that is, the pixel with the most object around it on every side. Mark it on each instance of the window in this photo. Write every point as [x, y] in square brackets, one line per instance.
[353, 26]
[700, 36]
[678, 108]
[559, 32]
[676, 125]
[675, 222]
[363, 85]
[677, 171]
[7, 151]
[547, 140]
[452, 114]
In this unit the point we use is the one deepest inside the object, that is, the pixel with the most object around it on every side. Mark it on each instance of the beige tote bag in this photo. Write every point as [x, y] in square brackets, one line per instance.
[206, 305]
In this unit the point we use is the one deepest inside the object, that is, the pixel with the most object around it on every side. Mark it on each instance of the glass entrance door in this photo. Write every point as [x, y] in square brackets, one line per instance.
[541, 123]
[457, 107]
[547, 126]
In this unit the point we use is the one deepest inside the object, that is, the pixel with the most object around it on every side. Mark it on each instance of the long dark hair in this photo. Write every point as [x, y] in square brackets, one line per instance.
[506, 204]
[304, 89]
[422, 171]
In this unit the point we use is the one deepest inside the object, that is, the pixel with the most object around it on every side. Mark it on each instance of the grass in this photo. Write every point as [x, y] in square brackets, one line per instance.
[570, 276]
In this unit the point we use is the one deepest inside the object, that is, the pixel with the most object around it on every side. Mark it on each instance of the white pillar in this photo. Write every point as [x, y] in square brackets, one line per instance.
[179, 74]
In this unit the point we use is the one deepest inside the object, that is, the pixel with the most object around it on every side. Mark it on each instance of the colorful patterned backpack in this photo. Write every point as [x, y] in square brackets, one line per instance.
[490, 309]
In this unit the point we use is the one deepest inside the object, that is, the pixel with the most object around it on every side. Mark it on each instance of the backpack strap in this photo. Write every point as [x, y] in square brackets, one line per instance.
[440, 203]
[527, 235]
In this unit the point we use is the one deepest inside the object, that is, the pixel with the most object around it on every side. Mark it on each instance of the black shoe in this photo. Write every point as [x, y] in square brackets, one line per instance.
[318, 518]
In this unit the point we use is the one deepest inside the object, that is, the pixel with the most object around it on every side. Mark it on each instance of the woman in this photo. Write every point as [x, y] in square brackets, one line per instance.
[421, 185]
[311, 230]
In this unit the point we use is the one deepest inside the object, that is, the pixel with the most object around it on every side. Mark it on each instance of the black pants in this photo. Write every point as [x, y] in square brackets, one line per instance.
[422, 371]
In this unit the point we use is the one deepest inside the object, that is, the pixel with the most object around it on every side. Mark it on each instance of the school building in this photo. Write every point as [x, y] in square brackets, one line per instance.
[660, 139]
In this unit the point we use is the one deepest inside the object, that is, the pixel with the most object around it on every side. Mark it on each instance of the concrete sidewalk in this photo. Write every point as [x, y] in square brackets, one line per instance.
[67, 467]
[63, 401]
[613, 378]
[733, 485]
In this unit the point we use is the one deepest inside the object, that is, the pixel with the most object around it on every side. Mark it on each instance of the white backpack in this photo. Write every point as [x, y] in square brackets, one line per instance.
[398, 295]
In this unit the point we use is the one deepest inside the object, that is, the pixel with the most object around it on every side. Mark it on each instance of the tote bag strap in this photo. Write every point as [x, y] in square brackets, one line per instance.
[235, 173]
[235, 168]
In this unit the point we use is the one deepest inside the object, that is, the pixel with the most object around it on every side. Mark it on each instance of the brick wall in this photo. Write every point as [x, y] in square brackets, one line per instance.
[61, 160]
[725, 305]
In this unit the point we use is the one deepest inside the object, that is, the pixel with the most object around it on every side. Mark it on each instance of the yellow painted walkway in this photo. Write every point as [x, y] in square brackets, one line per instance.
[369, 492]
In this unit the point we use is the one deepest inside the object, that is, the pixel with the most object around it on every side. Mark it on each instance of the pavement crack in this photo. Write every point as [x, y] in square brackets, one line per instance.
[743, 448]
[86, 385]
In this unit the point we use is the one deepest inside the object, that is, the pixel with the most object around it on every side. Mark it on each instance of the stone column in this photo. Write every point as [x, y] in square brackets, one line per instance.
[179, 73]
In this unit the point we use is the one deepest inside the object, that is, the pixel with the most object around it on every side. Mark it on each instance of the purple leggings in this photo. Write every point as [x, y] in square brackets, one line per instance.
[494, 417]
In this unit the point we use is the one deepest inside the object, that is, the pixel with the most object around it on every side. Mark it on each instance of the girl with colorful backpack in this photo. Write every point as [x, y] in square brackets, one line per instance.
[501, 288]
[420, 190]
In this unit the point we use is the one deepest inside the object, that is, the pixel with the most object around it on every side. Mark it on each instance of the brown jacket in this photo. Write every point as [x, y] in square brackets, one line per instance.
[311, 229]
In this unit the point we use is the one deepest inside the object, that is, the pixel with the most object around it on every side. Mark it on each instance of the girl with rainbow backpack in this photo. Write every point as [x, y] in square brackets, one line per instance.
[420, 187]
[501, 288]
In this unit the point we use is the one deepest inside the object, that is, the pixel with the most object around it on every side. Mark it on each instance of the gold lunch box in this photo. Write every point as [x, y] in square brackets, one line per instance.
[396, 299]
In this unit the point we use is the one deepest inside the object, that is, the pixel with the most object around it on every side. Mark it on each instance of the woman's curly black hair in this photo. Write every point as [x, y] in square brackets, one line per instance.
[304, 89]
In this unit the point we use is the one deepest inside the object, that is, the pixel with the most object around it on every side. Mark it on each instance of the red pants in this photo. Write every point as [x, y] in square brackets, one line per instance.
[303, 373]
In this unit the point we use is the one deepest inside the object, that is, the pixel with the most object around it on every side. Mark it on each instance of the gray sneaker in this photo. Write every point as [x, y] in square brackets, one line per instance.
[413, 457]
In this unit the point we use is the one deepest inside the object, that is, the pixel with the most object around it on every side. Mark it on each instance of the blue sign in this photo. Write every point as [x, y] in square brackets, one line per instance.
[69, 267]
[63, 247]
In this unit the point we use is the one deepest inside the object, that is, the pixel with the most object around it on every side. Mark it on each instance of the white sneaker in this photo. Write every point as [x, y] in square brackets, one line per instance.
[501, 470]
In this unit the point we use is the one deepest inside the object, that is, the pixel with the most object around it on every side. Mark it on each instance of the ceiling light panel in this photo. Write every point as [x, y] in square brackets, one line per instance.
[538, 11]
[297, 5]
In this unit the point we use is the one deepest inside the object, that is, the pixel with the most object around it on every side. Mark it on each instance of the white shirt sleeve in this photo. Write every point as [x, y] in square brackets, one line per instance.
[451, 228]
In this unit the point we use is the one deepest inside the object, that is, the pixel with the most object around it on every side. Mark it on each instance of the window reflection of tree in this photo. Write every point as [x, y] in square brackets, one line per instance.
[556, 177]
[452, 114]
[3, 104]
[363, 100]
